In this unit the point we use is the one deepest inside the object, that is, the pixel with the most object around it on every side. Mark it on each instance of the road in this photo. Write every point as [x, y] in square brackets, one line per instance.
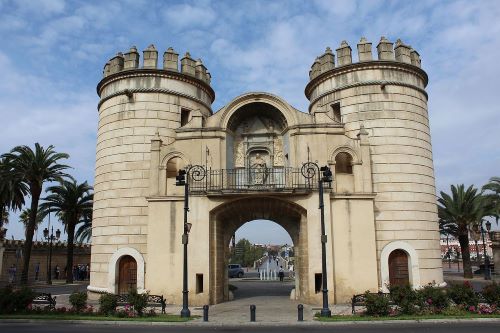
[60, 289]
[59, 327]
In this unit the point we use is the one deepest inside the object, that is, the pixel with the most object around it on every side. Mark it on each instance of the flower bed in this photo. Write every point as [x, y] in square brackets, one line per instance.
[17, 304]
[404, 302]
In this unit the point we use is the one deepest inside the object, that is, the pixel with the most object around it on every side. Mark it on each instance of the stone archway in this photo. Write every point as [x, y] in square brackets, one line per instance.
[228, 217]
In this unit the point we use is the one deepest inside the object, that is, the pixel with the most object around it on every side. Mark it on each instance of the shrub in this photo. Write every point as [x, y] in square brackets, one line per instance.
[405, 297]
[491, 294]
[463, 294]
[107, 304]
[15, 300]
[78, 300]
[377, 304]
[138, 301]
[433, 298]
[6, 305]
[454, 311]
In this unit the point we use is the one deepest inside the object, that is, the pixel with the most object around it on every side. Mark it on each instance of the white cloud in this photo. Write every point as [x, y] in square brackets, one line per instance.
[183, 16]
[41, 7]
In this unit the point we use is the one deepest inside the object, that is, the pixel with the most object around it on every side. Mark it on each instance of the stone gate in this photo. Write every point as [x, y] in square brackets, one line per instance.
[367, 121]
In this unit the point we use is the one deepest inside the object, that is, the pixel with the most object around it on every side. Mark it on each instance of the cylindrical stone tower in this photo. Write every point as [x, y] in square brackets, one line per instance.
[388, 97]
[137, 104]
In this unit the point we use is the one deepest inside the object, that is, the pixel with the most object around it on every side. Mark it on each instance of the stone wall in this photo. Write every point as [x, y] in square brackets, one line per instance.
[387, 96]
[11, 254]
[137, 105]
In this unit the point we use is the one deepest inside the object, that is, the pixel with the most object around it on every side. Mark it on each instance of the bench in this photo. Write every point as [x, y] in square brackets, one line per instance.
[360, 300]
[44, 299]
[153, 301]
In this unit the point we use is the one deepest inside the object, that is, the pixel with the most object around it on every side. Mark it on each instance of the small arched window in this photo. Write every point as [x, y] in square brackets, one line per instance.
[343, 163]
[173, 166]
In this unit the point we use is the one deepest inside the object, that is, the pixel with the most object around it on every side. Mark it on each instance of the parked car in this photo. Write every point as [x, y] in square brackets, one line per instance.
[235, 270]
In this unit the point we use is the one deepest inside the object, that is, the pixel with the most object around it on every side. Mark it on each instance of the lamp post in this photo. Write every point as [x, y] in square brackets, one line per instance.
[50, 238]
[476, 236]
[180, 180]
[196, 173]
[487, 272]
[309, 170]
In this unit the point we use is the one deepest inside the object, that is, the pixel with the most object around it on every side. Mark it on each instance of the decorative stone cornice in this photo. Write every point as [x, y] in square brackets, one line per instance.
[376, 64]
[367, 83]
[125, 74]
[153, 90]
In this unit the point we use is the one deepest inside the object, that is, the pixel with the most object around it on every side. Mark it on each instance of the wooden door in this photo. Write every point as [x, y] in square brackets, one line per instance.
[398, 268]
[127, 278]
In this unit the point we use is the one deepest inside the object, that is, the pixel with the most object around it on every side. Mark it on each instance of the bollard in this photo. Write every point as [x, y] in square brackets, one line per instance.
[252, 312]
[300, 314]
[205, 312]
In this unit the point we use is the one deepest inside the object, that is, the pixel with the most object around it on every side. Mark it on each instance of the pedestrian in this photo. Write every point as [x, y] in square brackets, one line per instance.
[87, 270]
[12, 274]
[57, 271]
[37, 270]
[75, 272]
[281, 273]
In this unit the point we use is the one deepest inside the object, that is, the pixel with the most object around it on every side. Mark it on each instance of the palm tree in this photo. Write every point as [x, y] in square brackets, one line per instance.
[28, 170]
[72, 203]
[4, 216]
[24, 218]
[463, 208]
[84, 232]
[493, 194]
[12, 193]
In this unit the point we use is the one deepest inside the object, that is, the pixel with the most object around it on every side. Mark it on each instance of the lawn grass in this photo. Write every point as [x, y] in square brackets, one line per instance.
[405, 317]
[59, 316]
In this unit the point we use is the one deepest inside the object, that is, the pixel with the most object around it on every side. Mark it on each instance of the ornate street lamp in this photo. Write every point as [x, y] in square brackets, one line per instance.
[487, 271]
[476, 235]
[197, 173]
[50, 238]
[309, 170]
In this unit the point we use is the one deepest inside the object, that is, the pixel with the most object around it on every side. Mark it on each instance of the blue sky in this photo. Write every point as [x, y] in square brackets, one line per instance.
[53, 51]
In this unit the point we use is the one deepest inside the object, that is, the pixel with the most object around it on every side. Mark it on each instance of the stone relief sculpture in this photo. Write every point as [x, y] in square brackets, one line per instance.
[278, 152]
[239, 154]
[259, 170]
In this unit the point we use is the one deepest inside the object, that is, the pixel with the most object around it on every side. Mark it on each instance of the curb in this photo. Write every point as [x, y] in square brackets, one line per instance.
[198, 323]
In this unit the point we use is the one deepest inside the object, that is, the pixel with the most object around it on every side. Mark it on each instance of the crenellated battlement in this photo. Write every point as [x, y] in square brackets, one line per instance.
[131, 61]
[386, 51]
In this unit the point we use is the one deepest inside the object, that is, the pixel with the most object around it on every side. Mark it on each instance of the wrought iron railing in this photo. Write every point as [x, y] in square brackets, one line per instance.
[238, 180]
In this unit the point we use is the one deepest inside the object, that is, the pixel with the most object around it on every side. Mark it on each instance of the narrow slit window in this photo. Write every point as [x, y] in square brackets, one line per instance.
[199, 283]
[336, 112]
[318, 279]
[184, 116]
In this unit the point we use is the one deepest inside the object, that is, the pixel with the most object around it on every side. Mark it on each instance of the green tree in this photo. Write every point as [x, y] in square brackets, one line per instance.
[12, 193]
[493, 194]
[24, 218]
[4, 216]
[84, 231]
[245, 253]
[27, 171]
[72, 203]
[463, 208]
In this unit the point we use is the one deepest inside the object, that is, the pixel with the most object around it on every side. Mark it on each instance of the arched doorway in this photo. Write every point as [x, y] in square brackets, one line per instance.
[127, 274]
[230, 216]
[398, 268]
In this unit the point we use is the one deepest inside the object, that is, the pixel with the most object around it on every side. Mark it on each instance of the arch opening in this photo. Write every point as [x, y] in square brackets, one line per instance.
[226, 219]
[255, 138]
